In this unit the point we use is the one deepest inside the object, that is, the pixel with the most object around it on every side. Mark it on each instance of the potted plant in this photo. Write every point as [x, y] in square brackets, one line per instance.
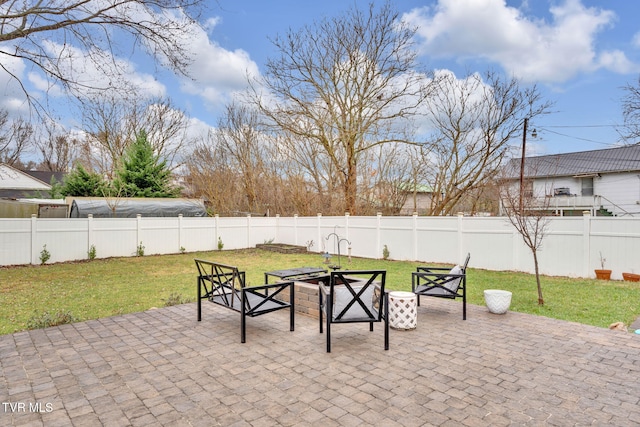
[602, 273]
[631, 277]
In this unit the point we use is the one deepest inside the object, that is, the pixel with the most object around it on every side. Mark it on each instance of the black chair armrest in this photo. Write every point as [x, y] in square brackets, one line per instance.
[268, 286]
[432, 269]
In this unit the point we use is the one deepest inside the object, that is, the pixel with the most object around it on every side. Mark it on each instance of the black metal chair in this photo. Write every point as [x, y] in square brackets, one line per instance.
[442, 282]
[224, 285]
[354, 297]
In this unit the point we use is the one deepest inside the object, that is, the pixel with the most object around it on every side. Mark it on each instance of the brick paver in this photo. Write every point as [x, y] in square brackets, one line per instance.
[161, 367]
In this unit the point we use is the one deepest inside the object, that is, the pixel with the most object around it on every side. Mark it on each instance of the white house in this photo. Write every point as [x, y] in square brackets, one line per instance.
[605, 182]
[17, 184]
[17, 190]
[418, 199]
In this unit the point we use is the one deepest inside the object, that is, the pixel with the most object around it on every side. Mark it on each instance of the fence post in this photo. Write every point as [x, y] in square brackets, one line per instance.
[346, 224]
[460, 238]
[378, 236]
[34, 231]
[318, 230]
[415, 235]
[89, 232]
[180, 245]
[586, 243]
[138, 233]
[515, 257]
[248, 230]
[217, 234]
[295, 229]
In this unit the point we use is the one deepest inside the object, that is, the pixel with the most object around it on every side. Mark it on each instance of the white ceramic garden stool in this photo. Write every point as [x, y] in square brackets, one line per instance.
[403, 310]
[497, 301]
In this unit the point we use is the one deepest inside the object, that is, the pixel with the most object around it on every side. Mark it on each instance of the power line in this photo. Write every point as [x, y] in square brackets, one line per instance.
[579, 138]
[582, 126]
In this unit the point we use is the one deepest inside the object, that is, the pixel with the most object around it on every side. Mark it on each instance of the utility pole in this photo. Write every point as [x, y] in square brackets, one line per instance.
[524, 144]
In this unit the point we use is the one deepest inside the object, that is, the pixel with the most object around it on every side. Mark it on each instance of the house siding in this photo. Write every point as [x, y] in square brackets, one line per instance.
[545, 187]
[615, 173]
[620, 192]
[420, 204]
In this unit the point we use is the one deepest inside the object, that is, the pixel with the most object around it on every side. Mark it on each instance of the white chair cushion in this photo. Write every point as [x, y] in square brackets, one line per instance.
[342, 297]
[453, 285]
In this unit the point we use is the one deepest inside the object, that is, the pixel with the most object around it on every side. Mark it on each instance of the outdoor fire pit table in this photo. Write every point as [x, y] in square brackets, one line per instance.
[403, 310]
[293, 273]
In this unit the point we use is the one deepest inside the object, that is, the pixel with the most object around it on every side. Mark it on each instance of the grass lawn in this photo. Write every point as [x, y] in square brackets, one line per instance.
[106, 287]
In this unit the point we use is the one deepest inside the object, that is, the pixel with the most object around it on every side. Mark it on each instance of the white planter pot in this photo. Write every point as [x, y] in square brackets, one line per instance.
[497, 301]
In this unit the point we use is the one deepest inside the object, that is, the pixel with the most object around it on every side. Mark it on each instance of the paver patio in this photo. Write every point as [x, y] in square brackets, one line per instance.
[162, 367]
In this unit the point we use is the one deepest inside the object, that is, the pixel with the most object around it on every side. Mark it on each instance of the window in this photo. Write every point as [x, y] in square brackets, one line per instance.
[587, 186]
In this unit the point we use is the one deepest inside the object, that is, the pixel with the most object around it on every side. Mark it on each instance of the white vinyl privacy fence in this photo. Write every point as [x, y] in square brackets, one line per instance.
[573, 246]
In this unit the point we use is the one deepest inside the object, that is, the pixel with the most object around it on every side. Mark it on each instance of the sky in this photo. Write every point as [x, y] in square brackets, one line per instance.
[579, 53]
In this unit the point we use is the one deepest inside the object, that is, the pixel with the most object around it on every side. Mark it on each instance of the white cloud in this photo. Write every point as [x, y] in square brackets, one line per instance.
[216, 73]
[532, 49]
[41, 84]
[617, 61]
[12, 97]
[91, 71]
[636, 40]
[211, 23]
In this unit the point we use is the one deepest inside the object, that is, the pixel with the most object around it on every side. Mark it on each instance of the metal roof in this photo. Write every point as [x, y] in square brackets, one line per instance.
[45, 176]
[609, 160]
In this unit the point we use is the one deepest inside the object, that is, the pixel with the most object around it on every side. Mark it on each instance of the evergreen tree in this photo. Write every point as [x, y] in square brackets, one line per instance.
[81, 183]
[142, 173]
[56, 189]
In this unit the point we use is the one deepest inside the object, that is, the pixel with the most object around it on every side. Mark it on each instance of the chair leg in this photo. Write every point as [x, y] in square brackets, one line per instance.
[292, 307]
[464, 308]
[199, 302]
[386, 321]
[464, 299]
[243, 321]
[243, 333]
[320, 310]
[328, 335]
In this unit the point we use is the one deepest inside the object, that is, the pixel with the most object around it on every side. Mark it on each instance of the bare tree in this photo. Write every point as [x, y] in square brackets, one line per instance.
[58, 149]
[238, 134]
[211, 178]
[474, 121]
[107, 135]
[56, 37]
[308, 166]
[384, 177]
[344, 84]
[111, 125]
[15, 138]
[631, 111]
[530, 221]
[166, 127]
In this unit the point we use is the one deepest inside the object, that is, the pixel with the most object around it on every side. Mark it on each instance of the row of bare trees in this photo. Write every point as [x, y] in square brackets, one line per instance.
[73, 48]
[342, 119]
[109, 127]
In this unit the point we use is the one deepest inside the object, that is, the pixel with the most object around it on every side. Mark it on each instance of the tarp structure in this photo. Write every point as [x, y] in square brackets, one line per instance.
[130, 208]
